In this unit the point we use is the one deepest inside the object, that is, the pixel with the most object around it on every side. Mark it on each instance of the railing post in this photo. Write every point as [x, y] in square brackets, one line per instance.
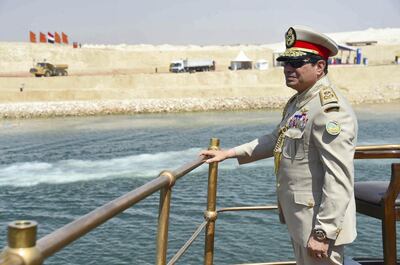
[211, 215]
[389, 217]
[21, 247]
[163, 219]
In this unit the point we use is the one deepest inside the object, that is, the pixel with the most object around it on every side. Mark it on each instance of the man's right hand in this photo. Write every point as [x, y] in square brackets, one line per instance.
[218, 155]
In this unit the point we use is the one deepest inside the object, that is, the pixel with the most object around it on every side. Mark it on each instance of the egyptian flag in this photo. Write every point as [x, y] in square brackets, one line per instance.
[43, 37]
[57, 38]
[32, 37]
[50, 37]
[64, 38]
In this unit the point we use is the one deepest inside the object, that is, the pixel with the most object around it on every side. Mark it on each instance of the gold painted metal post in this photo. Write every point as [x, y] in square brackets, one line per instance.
[163, 219]
[211, 215]
[21, 249]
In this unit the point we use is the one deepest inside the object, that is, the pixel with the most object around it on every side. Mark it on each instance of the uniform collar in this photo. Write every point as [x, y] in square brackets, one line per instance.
[304, 97]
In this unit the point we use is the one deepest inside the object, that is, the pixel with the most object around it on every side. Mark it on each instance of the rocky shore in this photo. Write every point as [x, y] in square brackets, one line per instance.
[109, 107]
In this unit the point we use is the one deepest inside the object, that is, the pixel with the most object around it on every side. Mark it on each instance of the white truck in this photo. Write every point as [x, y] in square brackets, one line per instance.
[191, 66]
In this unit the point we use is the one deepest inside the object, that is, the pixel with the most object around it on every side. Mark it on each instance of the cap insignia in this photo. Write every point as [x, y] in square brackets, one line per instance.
[290, 37]
[333, 127]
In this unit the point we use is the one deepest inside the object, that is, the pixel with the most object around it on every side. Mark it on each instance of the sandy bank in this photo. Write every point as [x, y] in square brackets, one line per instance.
[123, 79]
[19, 57]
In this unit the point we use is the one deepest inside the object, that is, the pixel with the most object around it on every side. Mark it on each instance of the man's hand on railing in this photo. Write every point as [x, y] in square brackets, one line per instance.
[218, 155]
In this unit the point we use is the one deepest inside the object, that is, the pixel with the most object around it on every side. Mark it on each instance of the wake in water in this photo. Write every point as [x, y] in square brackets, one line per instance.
[135, 166]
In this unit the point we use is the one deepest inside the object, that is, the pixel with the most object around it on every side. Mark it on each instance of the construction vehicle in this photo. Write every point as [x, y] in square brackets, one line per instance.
[191, 66]
[48, 69]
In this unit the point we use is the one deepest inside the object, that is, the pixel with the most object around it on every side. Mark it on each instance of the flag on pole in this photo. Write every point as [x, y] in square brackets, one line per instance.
[50, 37]
[32, 37]
[43, 37]
[57, 38]
[64, 38]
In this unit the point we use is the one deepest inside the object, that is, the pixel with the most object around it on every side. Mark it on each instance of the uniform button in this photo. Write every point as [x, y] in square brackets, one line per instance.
[277, 185]
[310, 204]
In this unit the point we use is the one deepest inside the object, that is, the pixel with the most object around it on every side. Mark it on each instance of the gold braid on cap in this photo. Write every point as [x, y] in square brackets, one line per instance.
[293, 53]
[304, 50]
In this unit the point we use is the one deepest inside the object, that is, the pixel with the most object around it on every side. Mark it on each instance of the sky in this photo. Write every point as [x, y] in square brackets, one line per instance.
[205, 22]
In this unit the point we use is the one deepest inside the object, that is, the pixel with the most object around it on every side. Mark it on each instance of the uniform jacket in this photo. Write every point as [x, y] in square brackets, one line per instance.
[315, 179]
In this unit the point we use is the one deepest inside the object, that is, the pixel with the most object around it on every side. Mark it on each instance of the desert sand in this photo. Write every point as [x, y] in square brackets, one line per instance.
[135, 79]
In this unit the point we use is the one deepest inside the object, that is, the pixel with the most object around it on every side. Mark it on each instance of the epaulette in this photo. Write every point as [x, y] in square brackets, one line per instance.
[327, 95]
[287, 105]
[332, 109]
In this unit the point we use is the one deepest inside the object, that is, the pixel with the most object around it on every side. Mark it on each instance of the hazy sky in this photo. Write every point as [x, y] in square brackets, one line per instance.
[189, 21]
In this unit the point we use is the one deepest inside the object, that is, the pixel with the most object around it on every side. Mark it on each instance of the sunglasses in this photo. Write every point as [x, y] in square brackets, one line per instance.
[297, 63]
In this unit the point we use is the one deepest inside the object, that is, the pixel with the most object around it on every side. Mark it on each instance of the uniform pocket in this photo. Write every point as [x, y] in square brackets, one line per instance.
[305, 198]
[293, 147]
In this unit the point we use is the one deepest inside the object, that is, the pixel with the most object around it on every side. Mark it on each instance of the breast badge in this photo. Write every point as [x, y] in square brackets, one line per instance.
[333, 127]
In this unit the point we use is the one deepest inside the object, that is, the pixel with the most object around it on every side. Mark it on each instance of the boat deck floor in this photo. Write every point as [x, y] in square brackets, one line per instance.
[355, 261]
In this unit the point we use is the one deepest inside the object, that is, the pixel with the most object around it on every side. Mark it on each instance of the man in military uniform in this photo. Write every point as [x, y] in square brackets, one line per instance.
[313, 147]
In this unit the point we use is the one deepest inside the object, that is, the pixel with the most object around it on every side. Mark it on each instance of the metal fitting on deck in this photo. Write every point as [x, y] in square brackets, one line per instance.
[210, 215]
[170, 175]
[214, 144]
[22, 244]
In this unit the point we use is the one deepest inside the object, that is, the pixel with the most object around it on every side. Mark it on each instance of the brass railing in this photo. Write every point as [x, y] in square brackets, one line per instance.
[23, 249]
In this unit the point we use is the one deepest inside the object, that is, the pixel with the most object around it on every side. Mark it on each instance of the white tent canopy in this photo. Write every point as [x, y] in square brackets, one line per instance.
[241, 62]
[241, 57]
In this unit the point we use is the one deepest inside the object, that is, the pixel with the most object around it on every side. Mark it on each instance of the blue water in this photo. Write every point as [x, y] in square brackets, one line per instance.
[56, 170]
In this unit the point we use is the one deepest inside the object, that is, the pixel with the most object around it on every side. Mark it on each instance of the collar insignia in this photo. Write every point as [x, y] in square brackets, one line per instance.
[304, 110]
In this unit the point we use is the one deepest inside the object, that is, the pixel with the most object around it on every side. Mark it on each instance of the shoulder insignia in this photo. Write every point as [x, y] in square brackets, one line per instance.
[333, 127]
[287, 105]
[327, 95]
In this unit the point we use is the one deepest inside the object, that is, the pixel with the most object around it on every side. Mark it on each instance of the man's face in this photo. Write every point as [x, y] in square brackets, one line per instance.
[301, 75]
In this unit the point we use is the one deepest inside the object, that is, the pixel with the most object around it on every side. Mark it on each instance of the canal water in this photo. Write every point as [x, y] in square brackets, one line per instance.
[56, 170]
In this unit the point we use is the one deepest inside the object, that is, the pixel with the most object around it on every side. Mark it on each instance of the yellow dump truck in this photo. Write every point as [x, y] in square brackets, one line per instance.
[48, 69]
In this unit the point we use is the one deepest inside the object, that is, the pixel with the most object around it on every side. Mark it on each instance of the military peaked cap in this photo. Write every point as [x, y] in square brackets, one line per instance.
[302, 41]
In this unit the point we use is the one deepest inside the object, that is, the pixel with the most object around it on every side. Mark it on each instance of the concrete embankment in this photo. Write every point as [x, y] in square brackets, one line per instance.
[166, 92]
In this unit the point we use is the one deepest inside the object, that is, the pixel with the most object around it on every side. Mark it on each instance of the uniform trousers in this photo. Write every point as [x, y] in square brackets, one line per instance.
[335, 254]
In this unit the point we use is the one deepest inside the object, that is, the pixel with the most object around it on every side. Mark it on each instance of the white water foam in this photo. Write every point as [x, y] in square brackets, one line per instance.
[65, 171]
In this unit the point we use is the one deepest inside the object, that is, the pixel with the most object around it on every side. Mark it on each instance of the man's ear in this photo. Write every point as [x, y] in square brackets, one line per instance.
[321, 66]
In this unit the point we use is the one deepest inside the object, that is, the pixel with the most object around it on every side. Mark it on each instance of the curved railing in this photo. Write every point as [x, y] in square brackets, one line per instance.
[377, 151]
[23, 249]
